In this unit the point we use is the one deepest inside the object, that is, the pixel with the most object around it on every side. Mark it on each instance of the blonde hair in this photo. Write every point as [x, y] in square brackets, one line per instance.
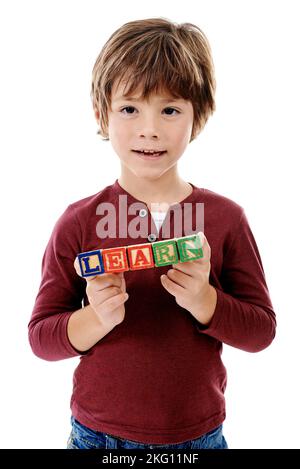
[157, 55]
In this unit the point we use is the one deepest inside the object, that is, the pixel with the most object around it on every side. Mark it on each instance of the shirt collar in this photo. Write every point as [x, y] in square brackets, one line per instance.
[118, 190]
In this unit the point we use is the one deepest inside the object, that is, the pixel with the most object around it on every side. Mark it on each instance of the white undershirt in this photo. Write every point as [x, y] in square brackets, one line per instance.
[158, 218]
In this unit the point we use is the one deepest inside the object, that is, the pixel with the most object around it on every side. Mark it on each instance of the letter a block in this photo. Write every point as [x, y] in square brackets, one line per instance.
[91, 263]
[165, 252]
[189, 248]
[140, 256]
[115, 259]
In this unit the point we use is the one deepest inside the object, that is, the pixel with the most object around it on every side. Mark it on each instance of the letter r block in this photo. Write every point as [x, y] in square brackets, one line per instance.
[140, 256]
[90, 263]
[165, 252]
[115, 259]
[189, 248]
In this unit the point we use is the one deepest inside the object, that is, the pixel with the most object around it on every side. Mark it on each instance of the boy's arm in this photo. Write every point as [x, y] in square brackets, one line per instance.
[244, 317]
[84, 329]
[58, 306]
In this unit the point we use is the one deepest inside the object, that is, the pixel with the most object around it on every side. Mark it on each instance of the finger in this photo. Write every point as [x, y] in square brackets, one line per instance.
[104, 282]
[115, 301]
[103, 295]
[171, 286]
[180, 278]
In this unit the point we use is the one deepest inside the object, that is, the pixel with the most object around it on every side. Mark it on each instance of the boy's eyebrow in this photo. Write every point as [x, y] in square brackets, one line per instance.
[163, 100]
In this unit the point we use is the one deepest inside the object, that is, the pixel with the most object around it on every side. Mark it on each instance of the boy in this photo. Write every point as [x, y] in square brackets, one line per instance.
[150, 372]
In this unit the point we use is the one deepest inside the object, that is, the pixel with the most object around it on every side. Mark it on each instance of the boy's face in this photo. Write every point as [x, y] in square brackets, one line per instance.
[161, 123]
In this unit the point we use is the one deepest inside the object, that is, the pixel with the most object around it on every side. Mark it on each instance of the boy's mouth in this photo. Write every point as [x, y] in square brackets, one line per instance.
[150, 153]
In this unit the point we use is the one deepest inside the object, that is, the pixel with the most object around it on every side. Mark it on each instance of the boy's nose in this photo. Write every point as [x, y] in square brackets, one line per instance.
[149, 126]
[149, 130]
[149, 134]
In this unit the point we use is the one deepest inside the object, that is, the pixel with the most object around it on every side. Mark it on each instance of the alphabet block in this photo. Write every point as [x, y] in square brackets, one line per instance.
[165, 252]
[189, 248]
[140, 256]
[91, 263]
[115, 259]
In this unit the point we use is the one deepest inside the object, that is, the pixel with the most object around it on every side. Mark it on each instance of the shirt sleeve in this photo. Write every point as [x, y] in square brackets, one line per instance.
[244, 317]
[60, 293]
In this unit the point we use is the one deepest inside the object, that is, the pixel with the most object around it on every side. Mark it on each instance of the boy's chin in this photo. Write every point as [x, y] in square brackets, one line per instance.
[149, 175]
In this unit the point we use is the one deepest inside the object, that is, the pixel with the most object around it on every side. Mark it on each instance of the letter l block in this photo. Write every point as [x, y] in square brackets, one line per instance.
[90, 263]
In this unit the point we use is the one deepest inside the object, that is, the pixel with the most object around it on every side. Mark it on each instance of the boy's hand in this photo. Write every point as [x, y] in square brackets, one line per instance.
[189, 283]
[106, 294]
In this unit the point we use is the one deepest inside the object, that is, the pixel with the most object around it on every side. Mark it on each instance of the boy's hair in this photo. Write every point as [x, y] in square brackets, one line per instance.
[159, 56]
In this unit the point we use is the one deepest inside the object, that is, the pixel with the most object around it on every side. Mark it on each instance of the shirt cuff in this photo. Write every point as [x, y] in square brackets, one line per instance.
[212, 326]
[70, 349]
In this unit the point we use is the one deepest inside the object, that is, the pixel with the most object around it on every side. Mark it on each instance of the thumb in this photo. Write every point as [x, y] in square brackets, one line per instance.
[123, 282]
[202, 238]
[76, 266]
[205, 246]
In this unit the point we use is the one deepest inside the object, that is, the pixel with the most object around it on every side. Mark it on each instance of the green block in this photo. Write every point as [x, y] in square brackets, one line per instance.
[165, 252]
[189, 248]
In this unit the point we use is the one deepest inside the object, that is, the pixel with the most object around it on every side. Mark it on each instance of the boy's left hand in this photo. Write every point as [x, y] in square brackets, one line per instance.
[189, 283]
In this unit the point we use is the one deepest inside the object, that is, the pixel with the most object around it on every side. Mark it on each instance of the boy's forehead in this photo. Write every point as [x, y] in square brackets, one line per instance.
[118, 94]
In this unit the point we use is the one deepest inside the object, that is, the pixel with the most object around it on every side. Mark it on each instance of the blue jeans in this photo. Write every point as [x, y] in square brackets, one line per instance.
[82, 437]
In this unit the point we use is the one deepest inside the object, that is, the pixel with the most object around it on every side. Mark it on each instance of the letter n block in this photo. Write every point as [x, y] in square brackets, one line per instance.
[189, 248]
[115, 259]
[90, 263]
[140, 256]
[165, 252]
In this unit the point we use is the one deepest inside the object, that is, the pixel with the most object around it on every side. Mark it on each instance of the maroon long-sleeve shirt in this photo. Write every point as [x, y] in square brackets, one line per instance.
[158, 376]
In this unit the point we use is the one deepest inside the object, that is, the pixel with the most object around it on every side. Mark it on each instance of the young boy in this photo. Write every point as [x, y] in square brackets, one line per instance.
[150, 372]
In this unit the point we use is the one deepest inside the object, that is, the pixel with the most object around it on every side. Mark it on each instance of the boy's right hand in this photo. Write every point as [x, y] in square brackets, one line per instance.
[106, 294]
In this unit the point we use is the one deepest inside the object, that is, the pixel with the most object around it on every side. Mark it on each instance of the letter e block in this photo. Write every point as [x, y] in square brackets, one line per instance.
[189, 248]
[90, 263]
[115, 259]
[140, 256]
[165, 252]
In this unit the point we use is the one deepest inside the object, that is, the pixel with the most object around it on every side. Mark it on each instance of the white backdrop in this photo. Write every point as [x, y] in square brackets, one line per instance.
[51, 156]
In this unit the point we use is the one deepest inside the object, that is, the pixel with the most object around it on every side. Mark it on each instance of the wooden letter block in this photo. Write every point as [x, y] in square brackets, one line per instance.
[165, 252]
[115, 259]
[91, 263]
[140, 256]
[189, 248]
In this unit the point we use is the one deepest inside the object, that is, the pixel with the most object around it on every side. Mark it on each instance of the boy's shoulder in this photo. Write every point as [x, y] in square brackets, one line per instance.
[223, 215]
[81, 206]
[221, 202]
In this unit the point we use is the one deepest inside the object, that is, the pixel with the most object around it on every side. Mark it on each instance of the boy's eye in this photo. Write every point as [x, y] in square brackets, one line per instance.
[171, 109]
[127, 107]
[129, 110]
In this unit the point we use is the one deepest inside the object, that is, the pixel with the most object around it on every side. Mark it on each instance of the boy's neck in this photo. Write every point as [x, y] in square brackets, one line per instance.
[168, 189]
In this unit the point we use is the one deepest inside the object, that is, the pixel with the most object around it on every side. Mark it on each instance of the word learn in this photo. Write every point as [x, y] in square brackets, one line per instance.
[140, 256]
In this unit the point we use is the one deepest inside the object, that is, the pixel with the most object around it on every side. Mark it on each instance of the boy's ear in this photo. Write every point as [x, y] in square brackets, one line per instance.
[97, 114]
